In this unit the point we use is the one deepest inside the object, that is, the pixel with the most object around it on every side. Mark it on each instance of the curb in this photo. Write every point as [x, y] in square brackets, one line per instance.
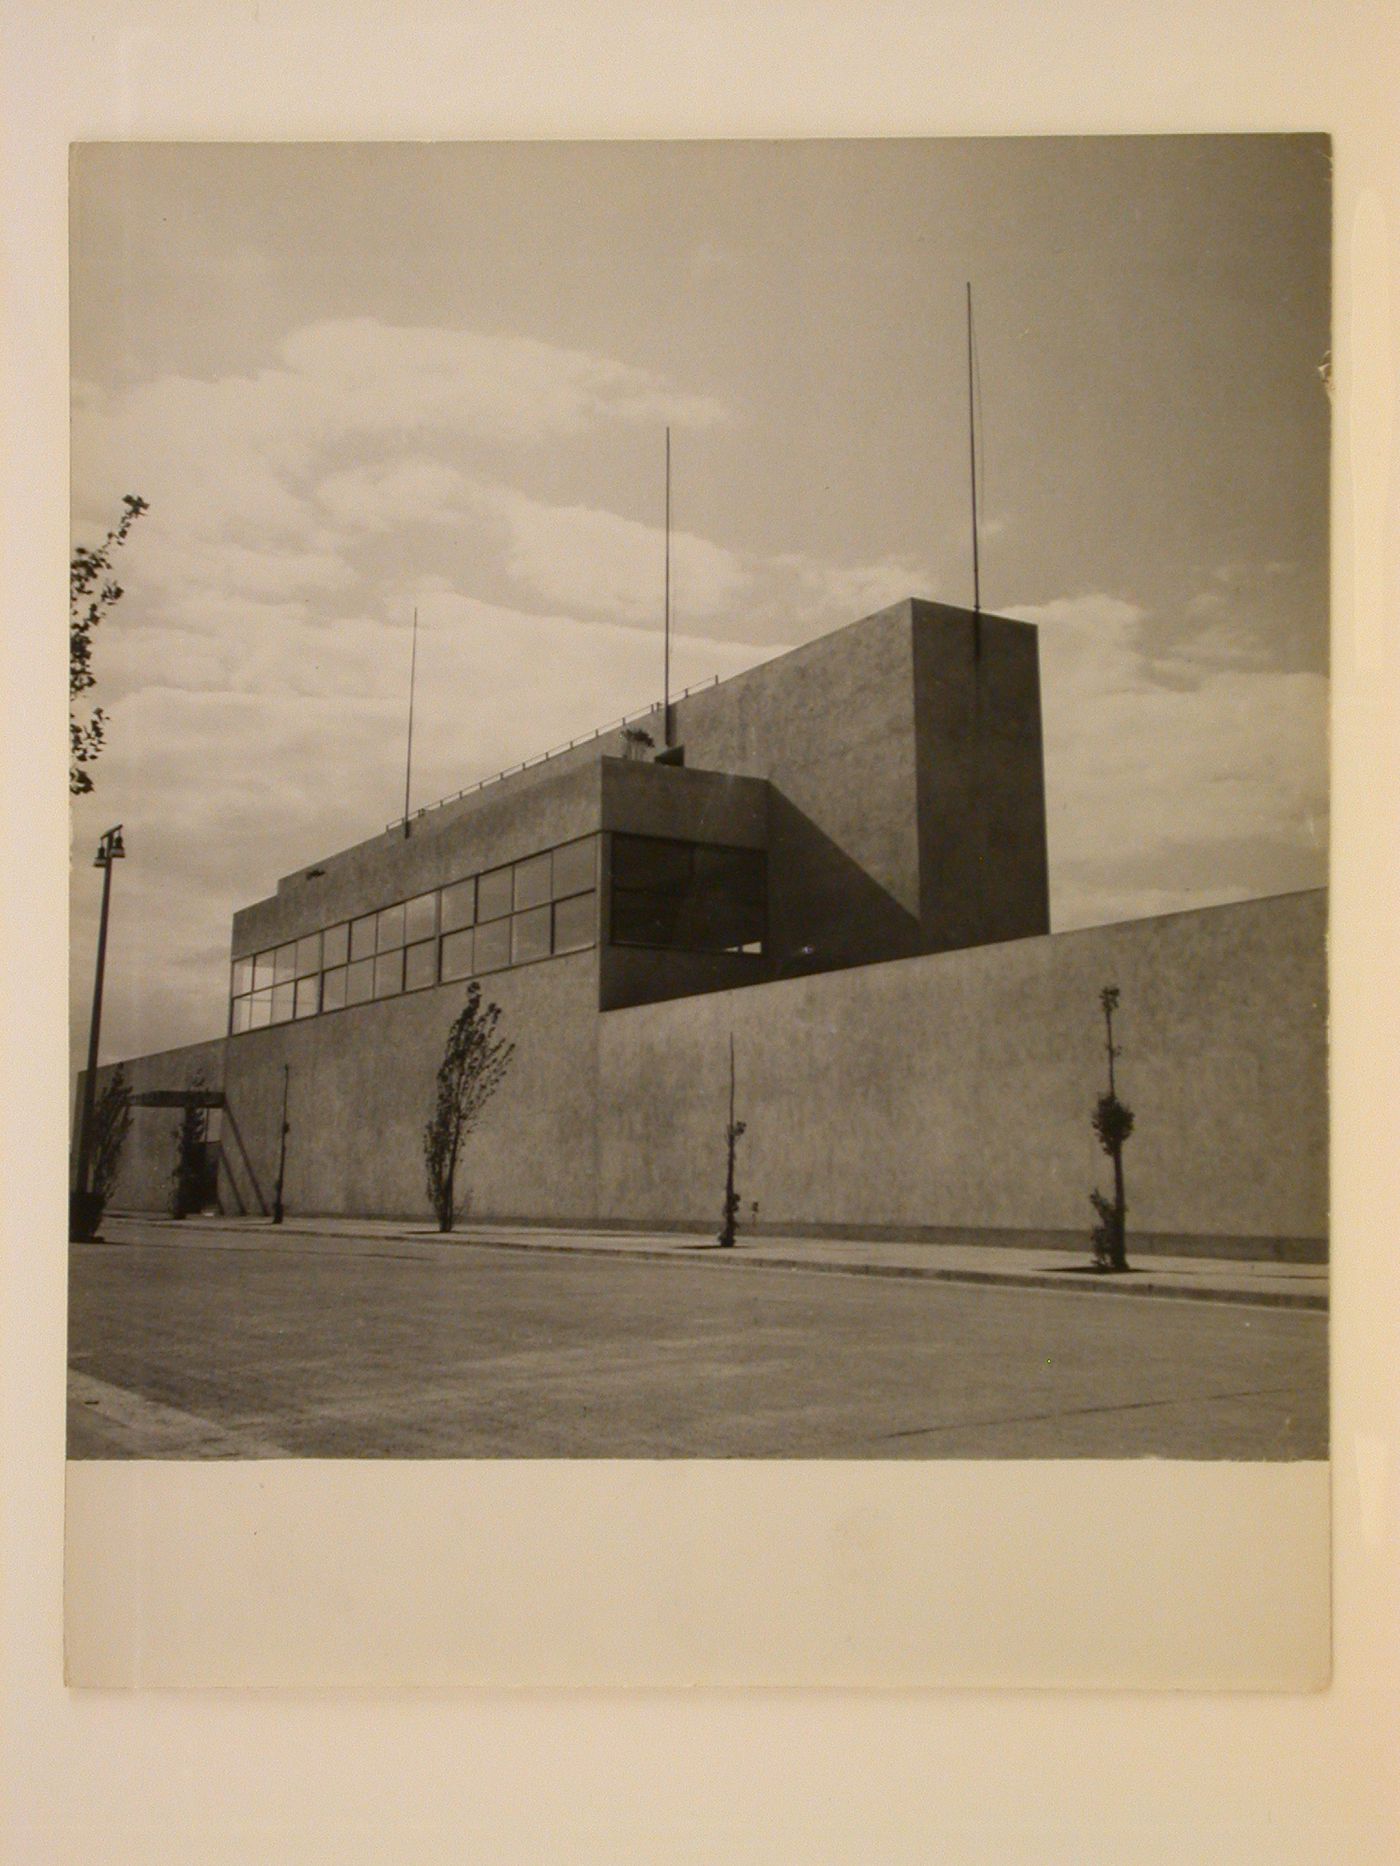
[1010, 1279]
[1139, 1286]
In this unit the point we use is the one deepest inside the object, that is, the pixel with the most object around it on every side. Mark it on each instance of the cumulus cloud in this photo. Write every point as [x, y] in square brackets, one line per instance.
[259, 745]
[611, 565]
[235, 458]
[409, 489]
[256, 672]
[850, 591]
[1217, 781]
[385, 378]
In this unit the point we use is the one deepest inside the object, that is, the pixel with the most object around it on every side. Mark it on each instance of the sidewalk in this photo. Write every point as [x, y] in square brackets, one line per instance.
[1199, 1279]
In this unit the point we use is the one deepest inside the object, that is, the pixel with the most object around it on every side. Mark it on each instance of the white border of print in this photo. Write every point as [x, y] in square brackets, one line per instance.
[840, 1776]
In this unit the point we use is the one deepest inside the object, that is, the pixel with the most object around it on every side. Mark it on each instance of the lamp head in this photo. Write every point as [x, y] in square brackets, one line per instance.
[110, 848]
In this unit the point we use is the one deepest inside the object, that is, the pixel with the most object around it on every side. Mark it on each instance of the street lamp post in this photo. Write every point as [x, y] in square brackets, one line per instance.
[282, 1148]
[109, 850]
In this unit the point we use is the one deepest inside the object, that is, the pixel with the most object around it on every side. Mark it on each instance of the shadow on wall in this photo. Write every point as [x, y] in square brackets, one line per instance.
[825, 910]
[237, 1172]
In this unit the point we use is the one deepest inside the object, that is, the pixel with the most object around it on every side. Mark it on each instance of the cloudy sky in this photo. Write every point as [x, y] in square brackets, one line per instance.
[352, 379]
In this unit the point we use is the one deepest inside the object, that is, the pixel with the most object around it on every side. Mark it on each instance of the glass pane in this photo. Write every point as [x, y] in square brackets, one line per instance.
[729, 868]
[388, 974]
[493, 946]
[420, 965]
[333, 989]
[648, 862]
[456, 954]
[283, 1003]
[389, 929]
[359, 981]
[532, 882]
[459, 904]
[644, 919]
[420, 918]
[284, 963]
[362, 937]
[308, 954]
[493, 895]
[308, 996]
[575, 867]
[728, 909]
[259, 1009]
[575, 922]
[335, 945]
[529, 936]
[242, 1008]
[718, 906]
[242, 976]
[262, 971]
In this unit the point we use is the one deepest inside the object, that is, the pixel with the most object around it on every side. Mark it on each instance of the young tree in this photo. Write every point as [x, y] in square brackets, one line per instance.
[1113, 1123]
[729, 1228]
[111, 1120]
[92, 593]
[187, 1175]
[473, 1066]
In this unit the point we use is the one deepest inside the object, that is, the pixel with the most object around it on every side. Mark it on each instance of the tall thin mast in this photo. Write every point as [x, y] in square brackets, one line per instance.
[412, 683]
[666, 676]
[972, 447]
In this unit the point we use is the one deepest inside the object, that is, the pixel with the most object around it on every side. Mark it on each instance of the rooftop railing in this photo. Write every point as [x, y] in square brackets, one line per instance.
[540, 758]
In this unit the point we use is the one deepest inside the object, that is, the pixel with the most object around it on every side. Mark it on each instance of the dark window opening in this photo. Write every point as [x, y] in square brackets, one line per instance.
[694, 897]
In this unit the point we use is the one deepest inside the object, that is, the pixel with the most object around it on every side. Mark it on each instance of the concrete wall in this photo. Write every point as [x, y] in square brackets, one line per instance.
[831, 726]
[548, 804]
[984, 868]
[946, 1090]
[361, 1088]
[893, 769]
[956, 1089]
[681, 802]
[695, 806]
[148, 1158]
[906, 766]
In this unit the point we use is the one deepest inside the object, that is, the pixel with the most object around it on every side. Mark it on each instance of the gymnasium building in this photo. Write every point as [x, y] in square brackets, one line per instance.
[837, 859]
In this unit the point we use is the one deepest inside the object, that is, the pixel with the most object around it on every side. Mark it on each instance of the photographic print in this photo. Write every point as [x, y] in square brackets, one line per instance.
[700, 801]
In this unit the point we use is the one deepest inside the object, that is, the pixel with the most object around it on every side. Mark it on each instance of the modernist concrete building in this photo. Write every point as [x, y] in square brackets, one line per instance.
[838, 858]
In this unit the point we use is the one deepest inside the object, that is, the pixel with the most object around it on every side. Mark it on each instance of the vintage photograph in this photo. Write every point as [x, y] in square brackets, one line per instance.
[700, 800]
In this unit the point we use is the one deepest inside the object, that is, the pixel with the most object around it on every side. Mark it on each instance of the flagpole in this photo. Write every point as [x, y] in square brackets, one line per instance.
[972, 448]
[412, 683]
[666, 675]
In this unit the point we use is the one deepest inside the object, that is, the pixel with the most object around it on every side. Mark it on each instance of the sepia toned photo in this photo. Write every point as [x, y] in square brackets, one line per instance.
[700, 800]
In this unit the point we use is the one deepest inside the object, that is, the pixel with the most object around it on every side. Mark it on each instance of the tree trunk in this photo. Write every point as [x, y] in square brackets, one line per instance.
[731, 1202]
[1120, 1214]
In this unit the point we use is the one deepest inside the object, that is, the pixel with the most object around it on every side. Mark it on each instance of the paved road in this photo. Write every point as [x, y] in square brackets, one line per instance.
[210, 1343]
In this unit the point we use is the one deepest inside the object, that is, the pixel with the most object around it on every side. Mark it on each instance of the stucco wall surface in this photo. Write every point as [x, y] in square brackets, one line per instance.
[831, 726]
[148, 1158]
[952, 1089]
[956, 1089]
[530, 811]
[984, 865]
[361, 1087]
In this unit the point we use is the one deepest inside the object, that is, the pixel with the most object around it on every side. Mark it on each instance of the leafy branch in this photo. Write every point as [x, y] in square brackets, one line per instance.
[92, 593]
[474, 1065]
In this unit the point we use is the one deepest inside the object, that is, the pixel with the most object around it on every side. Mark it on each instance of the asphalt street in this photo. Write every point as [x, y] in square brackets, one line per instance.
[212, 1342]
